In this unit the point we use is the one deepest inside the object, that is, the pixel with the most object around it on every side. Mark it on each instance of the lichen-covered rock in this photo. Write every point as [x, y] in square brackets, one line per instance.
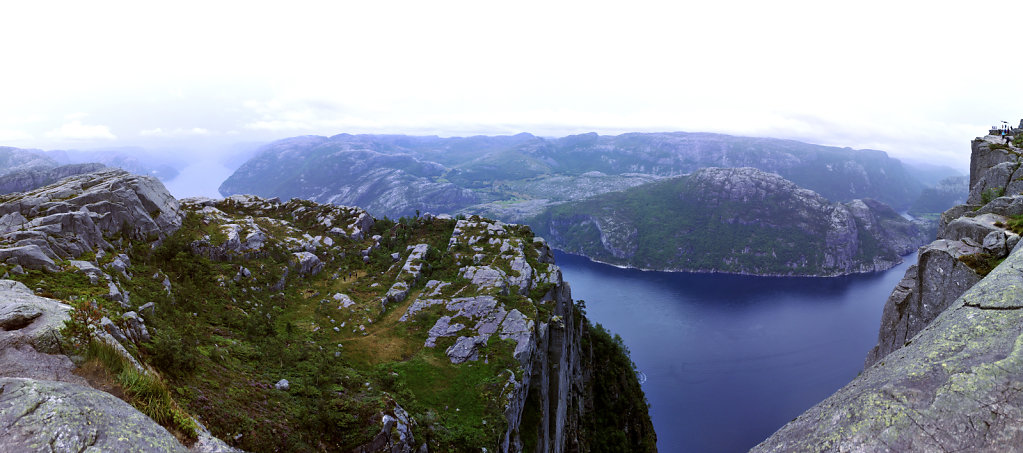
[956, 386]
[46, 416]
[927, 289]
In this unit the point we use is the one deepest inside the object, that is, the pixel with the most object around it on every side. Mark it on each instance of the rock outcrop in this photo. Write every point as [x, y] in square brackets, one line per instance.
[288, 295]
[81, 214]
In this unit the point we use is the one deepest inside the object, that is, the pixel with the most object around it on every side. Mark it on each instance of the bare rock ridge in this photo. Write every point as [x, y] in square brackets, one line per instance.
[80, 214]
[946, 373]
[25, 180]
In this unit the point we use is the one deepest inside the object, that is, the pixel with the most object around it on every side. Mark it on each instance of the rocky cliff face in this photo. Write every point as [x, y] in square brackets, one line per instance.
[739, 220]
[294, 326]
[946, 371]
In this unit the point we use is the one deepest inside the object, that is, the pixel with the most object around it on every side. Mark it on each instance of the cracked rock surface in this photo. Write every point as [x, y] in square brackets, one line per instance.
[45, 416]
[957, 386]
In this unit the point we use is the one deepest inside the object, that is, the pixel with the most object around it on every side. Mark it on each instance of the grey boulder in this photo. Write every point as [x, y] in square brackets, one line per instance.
[47, 416]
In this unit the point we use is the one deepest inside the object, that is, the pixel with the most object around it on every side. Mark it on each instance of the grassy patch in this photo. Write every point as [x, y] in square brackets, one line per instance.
[145, 391]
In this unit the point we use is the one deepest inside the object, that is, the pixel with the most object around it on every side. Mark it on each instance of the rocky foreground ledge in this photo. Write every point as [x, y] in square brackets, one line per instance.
[947, 373]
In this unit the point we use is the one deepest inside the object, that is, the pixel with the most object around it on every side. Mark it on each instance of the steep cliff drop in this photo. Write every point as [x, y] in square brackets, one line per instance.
[947, 372]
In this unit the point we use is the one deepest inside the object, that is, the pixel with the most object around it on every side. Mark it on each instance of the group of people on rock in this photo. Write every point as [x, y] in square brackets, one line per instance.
[1007, 131]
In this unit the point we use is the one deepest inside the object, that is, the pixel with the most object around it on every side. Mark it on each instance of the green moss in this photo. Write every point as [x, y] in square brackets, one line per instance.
[981, 263]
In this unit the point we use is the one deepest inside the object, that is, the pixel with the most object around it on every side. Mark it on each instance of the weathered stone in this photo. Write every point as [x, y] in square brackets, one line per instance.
[23, 361]
[443, 328]
[120, 264]
[518, 327]
[27, 319]
[927, 289]
[396, 294]
[88, 269]
[56, 416]
[973, 228]
[307, 263]
[983, 158]
[486, 277]
[992, 183]
[30, 256]
[465, 349]
[344, 300]
[994, 243]
[107, 325]
[135, 327]
[282, 385]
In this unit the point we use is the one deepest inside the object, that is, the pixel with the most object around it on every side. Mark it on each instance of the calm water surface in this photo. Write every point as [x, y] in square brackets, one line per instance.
[730, 359]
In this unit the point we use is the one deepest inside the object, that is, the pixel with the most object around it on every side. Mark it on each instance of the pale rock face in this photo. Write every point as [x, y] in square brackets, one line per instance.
[68, 417]
[27, 319]
[307, 263]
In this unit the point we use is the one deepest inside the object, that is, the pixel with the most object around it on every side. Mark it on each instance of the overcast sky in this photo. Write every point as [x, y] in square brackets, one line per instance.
[916, 79]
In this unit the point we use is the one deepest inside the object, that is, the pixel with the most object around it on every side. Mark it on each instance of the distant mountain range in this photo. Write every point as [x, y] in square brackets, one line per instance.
[456, 173]
[537, 180]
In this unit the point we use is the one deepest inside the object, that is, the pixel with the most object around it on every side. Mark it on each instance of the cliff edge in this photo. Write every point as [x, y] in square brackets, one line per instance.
[947, 372]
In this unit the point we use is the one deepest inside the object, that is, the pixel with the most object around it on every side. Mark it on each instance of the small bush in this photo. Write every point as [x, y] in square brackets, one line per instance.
[991, 193]
[85, 316]
[1015, 224]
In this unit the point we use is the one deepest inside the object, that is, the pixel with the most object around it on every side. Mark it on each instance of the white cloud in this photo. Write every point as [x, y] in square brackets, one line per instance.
[178, 132]
[7, 135]
[907, 76]
[75, 130]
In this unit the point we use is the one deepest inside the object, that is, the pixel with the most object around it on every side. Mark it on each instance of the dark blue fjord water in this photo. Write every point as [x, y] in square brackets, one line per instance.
[729, 359]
